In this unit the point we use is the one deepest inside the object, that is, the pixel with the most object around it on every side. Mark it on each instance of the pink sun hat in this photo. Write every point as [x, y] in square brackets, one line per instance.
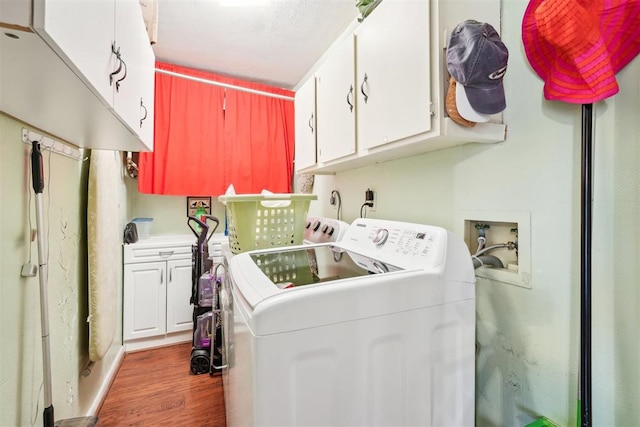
[577, 46]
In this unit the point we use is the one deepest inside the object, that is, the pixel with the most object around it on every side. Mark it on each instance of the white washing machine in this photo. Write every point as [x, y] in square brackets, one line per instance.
[375, 329]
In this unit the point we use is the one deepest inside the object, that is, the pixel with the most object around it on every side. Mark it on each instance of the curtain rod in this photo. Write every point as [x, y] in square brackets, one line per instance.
[225, 85]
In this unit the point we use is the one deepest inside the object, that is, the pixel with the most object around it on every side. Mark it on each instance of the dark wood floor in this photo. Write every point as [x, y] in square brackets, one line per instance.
[155, 387]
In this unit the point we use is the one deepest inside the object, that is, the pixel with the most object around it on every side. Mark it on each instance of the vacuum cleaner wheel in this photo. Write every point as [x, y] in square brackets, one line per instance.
[199, 361]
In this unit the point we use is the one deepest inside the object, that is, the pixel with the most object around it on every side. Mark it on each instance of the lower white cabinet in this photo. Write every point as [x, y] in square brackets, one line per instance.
[157, 291]
[157, 307]
[145, 296]
[179, 310]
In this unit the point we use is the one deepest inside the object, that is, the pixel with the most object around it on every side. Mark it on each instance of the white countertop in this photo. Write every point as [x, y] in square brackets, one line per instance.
[179, 239]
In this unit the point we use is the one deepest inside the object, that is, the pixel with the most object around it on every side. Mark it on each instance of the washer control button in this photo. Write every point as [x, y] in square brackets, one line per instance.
[381, 236]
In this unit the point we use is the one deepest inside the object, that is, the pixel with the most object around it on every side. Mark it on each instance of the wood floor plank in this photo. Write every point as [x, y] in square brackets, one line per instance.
[156, 388]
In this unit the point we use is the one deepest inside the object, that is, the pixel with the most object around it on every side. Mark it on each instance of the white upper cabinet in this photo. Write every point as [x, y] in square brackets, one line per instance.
[305, 125]
[393, 63]
[134, 91]
[336, 100]
[60, 72]
[83, 32]
[381, 88]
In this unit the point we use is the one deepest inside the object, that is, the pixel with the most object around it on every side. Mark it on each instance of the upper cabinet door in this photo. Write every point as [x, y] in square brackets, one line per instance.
[335, 102]
[393, 73]
[305, 122]
[83, 32]
[134, 85]
[145, 99]
[147, 88]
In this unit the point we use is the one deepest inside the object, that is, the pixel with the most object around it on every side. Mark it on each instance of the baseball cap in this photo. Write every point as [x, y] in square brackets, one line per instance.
[477, 60]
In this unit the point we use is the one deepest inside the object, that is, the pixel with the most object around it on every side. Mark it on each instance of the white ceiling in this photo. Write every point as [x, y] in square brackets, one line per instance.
[276, 44]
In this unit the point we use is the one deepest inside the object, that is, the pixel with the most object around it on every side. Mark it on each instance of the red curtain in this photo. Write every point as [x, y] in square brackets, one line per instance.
[208, 137]
[260, 143]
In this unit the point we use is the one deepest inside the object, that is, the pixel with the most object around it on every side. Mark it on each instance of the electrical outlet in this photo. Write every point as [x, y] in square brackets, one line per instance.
[334, 199]
[370, 200]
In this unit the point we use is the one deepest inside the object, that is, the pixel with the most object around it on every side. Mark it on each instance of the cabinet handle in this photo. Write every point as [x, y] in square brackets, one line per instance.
[123, 77]
[145, 112]
[171, 275]
[165, 254]
[311, 122]
[162, 277]
[116, 52]
[349, 97]
[362, 88]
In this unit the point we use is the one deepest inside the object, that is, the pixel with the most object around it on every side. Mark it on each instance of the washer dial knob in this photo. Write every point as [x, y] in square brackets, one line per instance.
[381, 236]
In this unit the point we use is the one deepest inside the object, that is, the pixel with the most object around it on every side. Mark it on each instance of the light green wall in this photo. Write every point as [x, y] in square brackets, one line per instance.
[21, 371]
[169, 213]
[528, 363]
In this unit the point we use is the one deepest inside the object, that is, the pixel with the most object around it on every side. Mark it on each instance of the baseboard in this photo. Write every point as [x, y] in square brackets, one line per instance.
[106, 384]
[157, 341]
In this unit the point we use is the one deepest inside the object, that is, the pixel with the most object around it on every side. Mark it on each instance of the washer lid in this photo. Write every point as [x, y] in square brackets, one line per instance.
[268, 273]
[307, 266]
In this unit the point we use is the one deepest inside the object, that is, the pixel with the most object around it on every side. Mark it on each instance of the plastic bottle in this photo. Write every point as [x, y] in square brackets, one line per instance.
[200, 214]
[203, 330]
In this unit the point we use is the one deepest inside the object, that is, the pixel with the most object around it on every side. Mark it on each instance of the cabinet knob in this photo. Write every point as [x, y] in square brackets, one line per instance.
[349, 97]
[145, 112]
[362, 88]
[123, 77]
[116, 52]
[311, 122]
[165, 254]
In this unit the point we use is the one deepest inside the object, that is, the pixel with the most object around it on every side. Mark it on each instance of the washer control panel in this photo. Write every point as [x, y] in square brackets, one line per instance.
[322, 230]
[397, 243]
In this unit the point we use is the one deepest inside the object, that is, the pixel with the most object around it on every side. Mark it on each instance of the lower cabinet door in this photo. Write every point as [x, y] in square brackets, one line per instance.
[145, 291]
[179, 308]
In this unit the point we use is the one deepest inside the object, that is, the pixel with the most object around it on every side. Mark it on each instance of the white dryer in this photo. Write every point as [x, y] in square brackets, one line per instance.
[375, 329]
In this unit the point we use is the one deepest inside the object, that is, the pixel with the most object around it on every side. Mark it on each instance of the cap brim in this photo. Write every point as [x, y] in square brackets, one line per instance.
[464, 107]
[452, 109]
